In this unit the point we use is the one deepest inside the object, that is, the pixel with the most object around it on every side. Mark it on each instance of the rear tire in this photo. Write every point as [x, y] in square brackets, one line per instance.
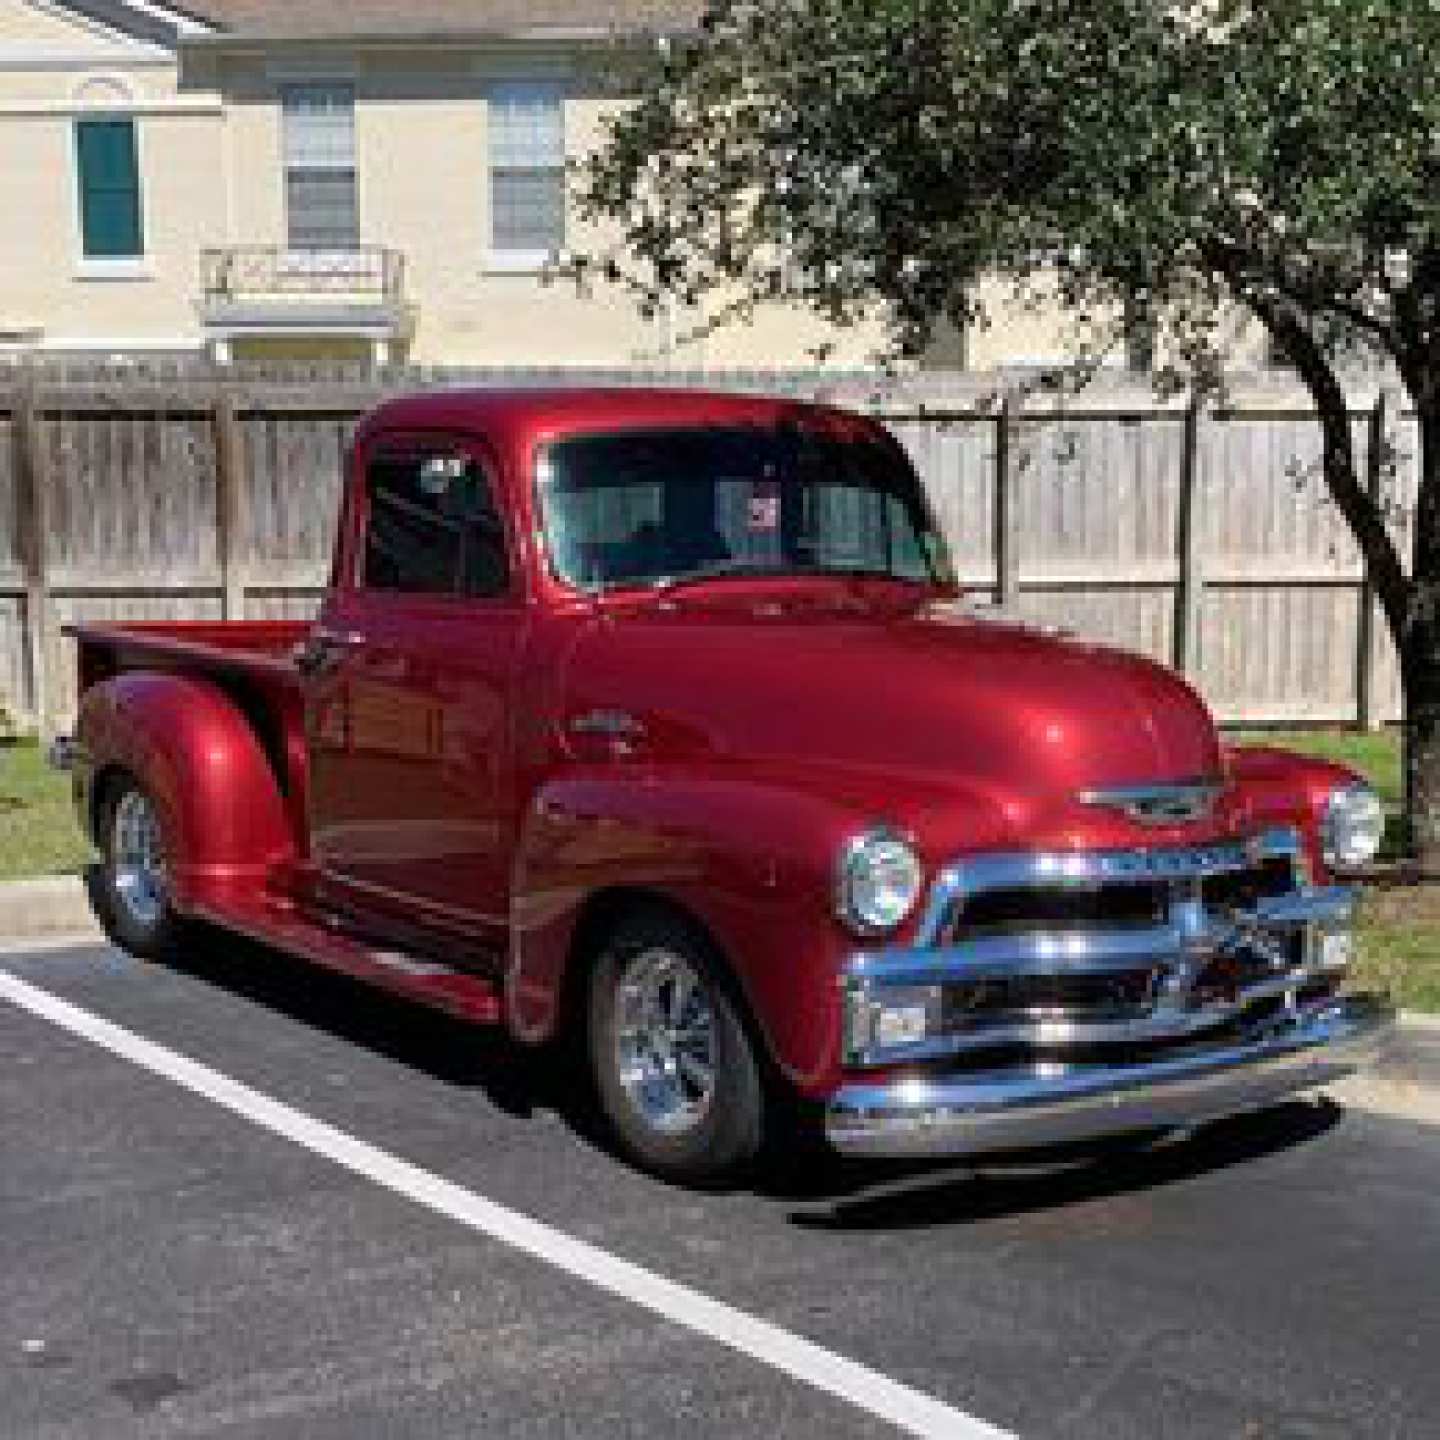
[131, 888]
[674, 1068]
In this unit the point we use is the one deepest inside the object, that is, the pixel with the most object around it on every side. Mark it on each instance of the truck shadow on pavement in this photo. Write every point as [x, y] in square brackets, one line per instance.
[1051, 1181]
[829, 1191]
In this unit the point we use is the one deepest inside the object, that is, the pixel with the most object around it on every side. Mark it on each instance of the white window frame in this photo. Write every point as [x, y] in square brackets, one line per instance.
[296, 257]
[502, 259]
[122, 269]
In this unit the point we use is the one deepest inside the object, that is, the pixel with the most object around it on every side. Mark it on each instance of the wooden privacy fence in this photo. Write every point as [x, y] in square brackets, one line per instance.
[1200, 537]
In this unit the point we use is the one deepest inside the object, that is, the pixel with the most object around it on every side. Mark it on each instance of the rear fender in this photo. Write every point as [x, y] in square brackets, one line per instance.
[224, 821]
[750, 861]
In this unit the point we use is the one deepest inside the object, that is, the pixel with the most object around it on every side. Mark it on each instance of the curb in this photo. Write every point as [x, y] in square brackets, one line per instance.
[42, 909]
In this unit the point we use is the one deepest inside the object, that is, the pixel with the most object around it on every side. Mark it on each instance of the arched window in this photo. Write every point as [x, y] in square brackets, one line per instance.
[107, 167]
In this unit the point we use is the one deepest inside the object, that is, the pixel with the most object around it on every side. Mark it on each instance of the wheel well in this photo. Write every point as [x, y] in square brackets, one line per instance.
[598, 918]
[100, 789]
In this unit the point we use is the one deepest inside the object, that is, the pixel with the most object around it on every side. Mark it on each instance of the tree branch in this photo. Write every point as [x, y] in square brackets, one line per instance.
[1363, 515]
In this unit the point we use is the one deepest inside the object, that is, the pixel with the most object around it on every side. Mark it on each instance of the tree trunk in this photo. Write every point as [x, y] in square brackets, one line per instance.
[1422, 758]
[1419, 643]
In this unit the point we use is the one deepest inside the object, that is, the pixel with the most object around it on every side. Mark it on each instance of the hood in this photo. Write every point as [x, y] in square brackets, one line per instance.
[924, 698]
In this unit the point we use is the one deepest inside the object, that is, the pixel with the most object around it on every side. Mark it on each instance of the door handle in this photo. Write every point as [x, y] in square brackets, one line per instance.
[323, 648]
[338, 639]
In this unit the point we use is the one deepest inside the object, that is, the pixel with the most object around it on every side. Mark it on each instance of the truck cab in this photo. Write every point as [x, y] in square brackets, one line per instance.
[654, 724]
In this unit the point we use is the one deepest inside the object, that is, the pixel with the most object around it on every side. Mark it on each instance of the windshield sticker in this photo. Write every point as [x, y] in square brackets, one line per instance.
[764, 511]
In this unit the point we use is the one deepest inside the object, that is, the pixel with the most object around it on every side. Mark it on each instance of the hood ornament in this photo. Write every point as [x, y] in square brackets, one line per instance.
[1177, 804]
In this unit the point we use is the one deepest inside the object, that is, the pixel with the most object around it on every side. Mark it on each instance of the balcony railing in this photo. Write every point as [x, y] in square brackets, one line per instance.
[241, 275]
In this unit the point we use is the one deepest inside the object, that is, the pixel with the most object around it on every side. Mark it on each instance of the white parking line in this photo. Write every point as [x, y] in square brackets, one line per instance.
[907, 1409]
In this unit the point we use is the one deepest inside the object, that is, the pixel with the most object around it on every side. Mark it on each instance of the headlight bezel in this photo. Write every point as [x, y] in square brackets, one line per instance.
[1358, 806]
[877, 845]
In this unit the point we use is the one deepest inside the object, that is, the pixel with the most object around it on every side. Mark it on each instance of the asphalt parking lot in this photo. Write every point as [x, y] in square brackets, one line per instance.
[171, 1267]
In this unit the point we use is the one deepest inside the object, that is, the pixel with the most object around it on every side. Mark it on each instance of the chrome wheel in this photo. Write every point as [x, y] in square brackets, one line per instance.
[665, 1041]
[138, 871]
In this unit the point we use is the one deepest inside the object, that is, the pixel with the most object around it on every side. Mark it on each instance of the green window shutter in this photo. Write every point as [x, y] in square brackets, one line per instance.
[109, 188]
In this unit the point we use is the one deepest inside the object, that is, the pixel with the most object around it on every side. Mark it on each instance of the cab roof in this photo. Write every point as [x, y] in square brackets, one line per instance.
[522, 417]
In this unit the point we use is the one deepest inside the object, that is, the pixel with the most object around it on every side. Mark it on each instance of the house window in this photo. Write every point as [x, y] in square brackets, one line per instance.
[108, 164]
[321, 204]
[527, 171]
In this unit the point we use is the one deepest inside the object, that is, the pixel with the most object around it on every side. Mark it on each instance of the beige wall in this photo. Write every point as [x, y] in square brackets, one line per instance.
[212, 174]
[44, 279]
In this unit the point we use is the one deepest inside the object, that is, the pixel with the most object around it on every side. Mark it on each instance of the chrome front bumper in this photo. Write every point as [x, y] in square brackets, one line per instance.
[1047, 1104]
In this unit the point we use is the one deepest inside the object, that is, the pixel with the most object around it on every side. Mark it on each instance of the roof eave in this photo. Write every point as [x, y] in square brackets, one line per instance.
[561, 35]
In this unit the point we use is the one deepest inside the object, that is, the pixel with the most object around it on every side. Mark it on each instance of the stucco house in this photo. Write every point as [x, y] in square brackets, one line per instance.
[286, 180]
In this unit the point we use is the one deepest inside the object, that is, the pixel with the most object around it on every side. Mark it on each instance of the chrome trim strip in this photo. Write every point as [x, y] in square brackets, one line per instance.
[1322, 905]
[1083, 952]
[972, 1114]
[1040, 1029]
[1032, 952]
[1176, 804]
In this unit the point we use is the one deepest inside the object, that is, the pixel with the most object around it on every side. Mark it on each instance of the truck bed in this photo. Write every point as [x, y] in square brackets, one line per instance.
[252, 646]
[253, 663]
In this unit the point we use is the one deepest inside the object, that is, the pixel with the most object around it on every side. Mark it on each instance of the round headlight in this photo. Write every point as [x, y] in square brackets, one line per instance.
[1352, 826]
[878, 882]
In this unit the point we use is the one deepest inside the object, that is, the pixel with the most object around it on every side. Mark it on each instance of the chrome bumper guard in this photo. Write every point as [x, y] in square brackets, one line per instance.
[1206, 1009]
[1019, 1109]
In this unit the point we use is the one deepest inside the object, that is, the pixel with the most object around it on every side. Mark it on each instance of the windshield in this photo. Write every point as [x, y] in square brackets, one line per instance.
[659, 507]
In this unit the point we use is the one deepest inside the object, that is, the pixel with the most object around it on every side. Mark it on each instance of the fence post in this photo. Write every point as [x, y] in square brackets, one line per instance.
[231, 514]
[1190, 583]
[1007, 550]
[1367, 710]
[32, 502]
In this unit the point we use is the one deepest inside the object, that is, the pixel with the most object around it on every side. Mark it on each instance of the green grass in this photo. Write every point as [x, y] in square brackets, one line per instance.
[1400, 946]
[38, 831]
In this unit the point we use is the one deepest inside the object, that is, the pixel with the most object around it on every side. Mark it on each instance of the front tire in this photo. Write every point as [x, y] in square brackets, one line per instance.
[131, 890]
[674, 1067]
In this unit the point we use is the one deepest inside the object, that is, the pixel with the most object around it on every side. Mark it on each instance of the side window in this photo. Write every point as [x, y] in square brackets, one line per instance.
[432, 526]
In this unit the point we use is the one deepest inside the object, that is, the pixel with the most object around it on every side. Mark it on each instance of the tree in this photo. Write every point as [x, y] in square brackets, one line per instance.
[1171, 160]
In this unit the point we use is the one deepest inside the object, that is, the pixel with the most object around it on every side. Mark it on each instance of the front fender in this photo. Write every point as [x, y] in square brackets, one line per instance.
[224, 822]
[750, 858]
[1284, 788]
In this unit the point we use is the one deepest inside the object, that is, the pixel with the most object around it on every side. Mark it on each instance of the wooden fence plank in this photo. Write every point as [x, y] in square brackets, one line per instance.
[1007, 549]
[33, 524]
[232, 494]
[1188, 586]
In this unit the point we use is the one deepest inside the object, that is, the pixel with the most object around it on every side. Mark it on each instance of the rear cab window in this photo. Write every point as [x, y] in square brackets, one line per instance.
[431, 525]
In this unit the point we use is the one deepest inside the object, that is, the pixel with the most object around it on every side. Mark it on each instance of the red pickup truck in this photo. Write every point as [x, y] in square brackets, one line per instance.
[656, 723]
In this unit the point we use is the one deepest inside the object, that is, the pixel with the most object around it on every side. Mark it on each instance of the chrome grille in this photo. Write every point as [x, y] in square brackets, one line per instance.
[1075, 901]
[1106, 948]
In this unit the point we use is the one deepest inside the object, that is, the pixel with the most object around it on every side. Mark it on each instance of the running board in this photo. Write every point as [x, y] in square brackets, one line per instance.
[332, 942]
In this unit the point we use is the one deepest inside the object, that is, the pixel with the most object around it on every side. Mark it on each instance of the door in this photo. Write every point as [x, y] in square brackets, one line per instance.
[409, 690]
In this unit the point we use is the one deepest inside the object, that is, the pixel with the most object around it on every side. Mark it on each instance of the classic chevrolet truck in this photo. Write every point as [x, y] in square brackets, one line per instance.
[655, 724]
